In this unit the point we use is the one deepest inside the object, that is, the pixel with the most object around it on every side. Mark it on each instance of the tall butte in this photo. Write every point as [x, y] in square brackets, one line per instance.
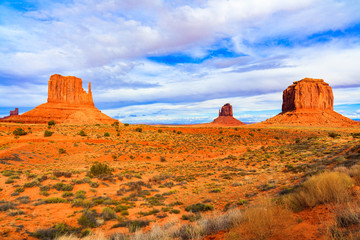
[67, 103]
[309, 102]
[226, 117]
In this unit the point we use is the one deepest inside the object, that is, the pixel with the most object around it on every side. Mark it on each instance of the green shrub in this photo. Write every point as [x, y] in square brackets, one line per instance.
[106, 134]
[126, 124]
[19, 132]
[67, 194]
[82, 133]
[108, 213]
[48, 133]
[138, 129]
[55, 200]
[85, 203]
[100, 168]
[31, 184]
[51, 123]
[63, 187]
[62, 151]
[333, 135]
[88, 219]
[199, 207]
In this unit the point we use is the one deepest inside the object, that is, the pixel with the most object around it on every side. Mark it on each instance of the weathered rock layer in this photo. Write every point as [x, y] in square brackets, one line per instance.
[226, 117]
[67, 103]
[309, 102]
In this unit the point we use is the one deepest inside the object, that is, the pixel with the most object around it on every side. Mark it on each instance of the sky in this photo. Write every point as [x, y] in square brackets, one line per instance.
[178, 62]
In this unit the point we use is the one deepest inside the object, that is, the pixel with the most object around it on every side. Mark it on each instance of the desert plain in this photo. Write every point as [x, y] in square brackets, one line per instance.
[173, 178]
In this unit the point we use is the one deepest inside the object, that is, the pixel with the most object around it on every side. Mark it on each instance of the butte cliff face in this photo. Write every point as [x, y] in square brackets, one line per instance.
[309, 102]
[67, 103]
[68, 90]
[308, 94]
[226, 117]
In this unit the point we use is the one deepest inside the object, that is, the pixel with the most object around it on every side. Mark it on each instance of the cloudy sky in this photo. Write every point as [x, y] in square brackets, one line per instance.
[179, 61]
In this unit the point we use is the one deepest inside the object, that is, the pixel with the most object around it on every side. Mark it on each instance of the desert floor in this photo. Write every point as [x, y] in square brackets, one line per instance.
[157, 172]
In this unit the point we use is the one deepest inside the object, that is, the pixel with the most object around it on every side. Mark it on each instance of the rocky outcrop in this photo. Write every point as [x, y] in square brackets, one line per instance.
[67, 103]
[308, 94]
[12, 113]
[309, 102]
[226, 117]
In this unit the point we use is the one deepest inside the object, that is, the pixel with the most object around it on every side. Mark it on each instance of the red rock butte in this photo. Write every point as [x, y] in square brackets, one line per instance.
[226, 117]
[309, 102]
[67, 103]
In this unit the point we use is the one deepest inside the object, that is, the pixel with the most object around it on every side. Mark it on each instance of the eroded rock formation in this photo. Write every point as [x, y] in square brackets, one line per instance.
[67, 103]
[308, 94]
[12, 113]
[309, 102]
[226, 117]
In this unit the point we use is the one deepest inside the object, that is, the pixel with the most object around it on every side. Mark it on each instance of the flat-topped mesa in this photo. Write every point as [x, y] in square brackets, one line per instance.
[68, 90]
[308, 94]
[309, 102]
[226, 110]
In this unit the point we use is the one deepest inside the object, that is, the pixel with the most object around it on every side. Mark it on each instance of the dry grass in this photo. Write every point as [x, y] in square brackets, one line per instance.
[329, 187]
[261, 222]
[205, 226]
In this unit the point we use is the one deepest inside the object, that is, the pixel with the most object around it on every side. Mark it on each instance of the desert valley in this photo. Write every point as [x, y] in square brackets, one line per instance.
[69, 171]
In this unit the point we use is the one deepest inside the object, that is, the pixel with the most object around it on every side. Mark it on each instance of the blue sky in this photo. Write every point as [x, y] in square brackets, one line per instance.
[162, 61]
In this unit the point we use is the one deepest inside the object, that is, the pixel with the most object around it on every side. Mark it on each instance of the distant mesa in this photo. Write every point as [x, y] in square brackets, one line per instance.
[12, 113]
[309, 102]
[67, 103]
[226, 117]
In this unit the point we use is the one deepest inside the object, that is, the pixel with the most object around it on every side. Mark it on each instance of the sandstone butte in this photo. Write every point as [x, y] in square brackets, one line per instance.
[226, 117]
[67, 103]
[309, 102]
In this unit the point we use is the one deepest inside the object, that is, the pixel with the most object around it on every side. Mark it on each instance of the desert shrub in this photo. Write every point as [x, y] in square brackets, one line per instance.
[133, 226]
[121, 207]
[4, 206]
[108, 213]
[126, 124]
[94, 184]
[115, 124]
[82, 133]
[191, 217]
[62, 174]
[51, 123]
[55, 231]
[85, 203]
[44, 188]
[14, 212]
[8, 173]
[31, 184]
[48, 133]
[62, 151]
[63, 187]
[100, 168]
[23, 199]
[162, 159]
[106, 134]
[138, 129]
[355, 135]
[354, 172]
[333, 135]
[19, 132]
[151, 212]
[323, 188]
[174, 211]
[67, 194]
[80, 194]
[88, 219]
[199, 207]
[55, 200]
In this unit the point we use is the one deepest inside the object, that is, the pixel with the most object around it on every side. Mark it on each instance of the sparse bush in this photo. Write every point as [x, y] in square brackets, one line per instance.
[55, 200]
[199, 207]
[63, 187]
[126, 124]
[82, 133]
[51, 123]
[48, 133]
[62, 151]
[100, 168]
[87, 219]
[4, 206]
[19, 132]
[108, 213]
[333, 135]
[106, 134]
[138, 129]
